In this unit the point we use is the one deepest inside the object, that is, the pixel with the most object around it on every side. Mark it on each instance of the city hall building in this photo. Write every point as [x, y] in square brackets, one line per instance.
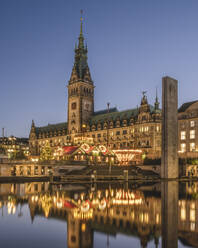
[136, 128]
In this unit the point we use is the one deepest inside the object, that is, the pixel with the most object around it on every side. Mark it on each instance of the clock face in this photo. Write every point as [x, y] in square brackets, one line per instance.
[87, 105]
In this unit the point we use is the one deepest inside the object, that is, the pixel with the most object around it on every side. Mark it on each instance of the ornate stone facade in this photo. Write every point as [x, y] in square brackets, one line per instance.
[137, 128]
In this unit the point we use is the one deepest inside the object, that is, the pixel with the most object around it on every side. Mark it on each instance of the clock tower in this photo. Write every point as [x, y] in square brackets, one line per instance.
[80, 89]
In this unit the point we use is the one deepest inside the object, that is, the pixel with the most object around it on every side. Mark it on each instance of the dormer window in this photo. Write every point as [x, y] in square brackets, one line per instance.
[111, 124]
[144, 118]
[124, 123]
[93, 128]
[99, 126]
[117, 123]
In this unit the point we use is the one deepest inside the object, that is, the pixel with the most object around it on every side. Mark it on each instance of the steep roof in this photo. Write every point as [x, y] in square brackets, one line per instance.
[105, 111]
[185, 106]
[126, 114]
[52, 127]
[80, 71]
[113, 114]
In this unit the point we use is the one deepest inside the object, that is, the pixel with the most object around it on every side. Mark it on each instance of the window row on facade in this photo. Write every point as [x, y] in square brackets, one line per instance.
[118, 124]
[184, 134]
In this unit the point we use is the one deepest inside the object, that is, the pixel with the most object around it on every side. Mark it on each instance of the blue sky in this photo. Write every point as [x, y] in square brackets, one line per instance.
[132, 44]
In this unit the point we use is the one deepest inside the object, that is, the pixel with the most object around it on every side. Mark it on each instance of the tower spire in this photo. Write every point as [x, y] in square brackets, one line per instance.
[33, 125]
[81, 38]
[81, 22]
[156, 101]
[80, 69]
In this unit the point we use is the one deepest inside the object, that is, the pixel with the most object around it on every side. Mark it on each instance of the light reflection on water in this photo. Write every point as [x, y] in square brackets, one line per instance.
[104, 215]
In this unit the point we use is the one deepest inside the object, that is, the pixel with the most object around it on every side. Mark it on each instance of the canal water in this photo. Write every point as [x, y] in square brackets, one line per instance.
[37, 214]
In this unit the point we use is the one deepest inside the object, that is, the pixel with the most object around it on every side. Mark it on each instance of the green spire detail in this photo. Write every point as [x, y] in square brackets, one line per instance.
[80, 67]
[156, 101]
[81, 38]
[80, 63]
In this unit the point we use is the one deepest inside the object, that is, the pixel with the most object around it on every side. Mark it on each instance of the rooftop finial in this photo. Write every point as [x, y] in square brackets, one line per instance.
[81, 38]
[144, 98]
[144, 93]
[81, 21]
[156, 101]
[156, 98]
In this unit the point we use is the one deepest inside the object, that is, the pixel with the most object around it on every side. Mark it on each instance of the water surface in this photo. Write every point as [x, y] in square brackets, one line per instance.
[38, 214]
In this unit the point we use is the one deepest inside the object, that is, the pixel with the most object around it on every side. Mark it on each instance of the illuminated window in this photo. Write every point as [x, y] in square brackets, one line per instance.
[141, 217]
[83, 227]
[183, 147]
[192, 211]
[183, 213]
[192, 205]
[192, 226]
[192, 147]
[192, 134]
[192, 215]
[192, 123]
[157, 128]
[183, 135]
[146, 218]
[157, 218]
[132, 215]
[146, 129]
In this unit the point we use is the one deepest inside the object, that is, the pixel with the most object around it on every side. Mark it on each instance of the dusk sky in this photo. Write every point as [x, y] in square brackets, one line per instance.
[132, 44]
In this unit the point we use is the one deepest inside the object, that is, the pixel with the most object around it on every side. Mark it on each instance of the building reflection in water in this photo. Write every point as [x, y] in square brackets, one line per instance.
[111, 209]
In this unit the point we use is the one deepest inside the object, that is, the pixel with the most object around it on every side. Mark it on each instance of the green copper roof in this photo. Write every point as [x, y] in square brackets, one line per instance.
[114, 114]
[80, 63]
[126, 114]
[105, 111]
[52, 127]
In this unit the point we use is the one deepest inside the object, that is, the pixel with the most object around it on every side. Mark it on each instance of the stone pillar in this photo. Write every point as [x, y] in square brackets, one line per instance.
[169, 214]
[169, 166]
